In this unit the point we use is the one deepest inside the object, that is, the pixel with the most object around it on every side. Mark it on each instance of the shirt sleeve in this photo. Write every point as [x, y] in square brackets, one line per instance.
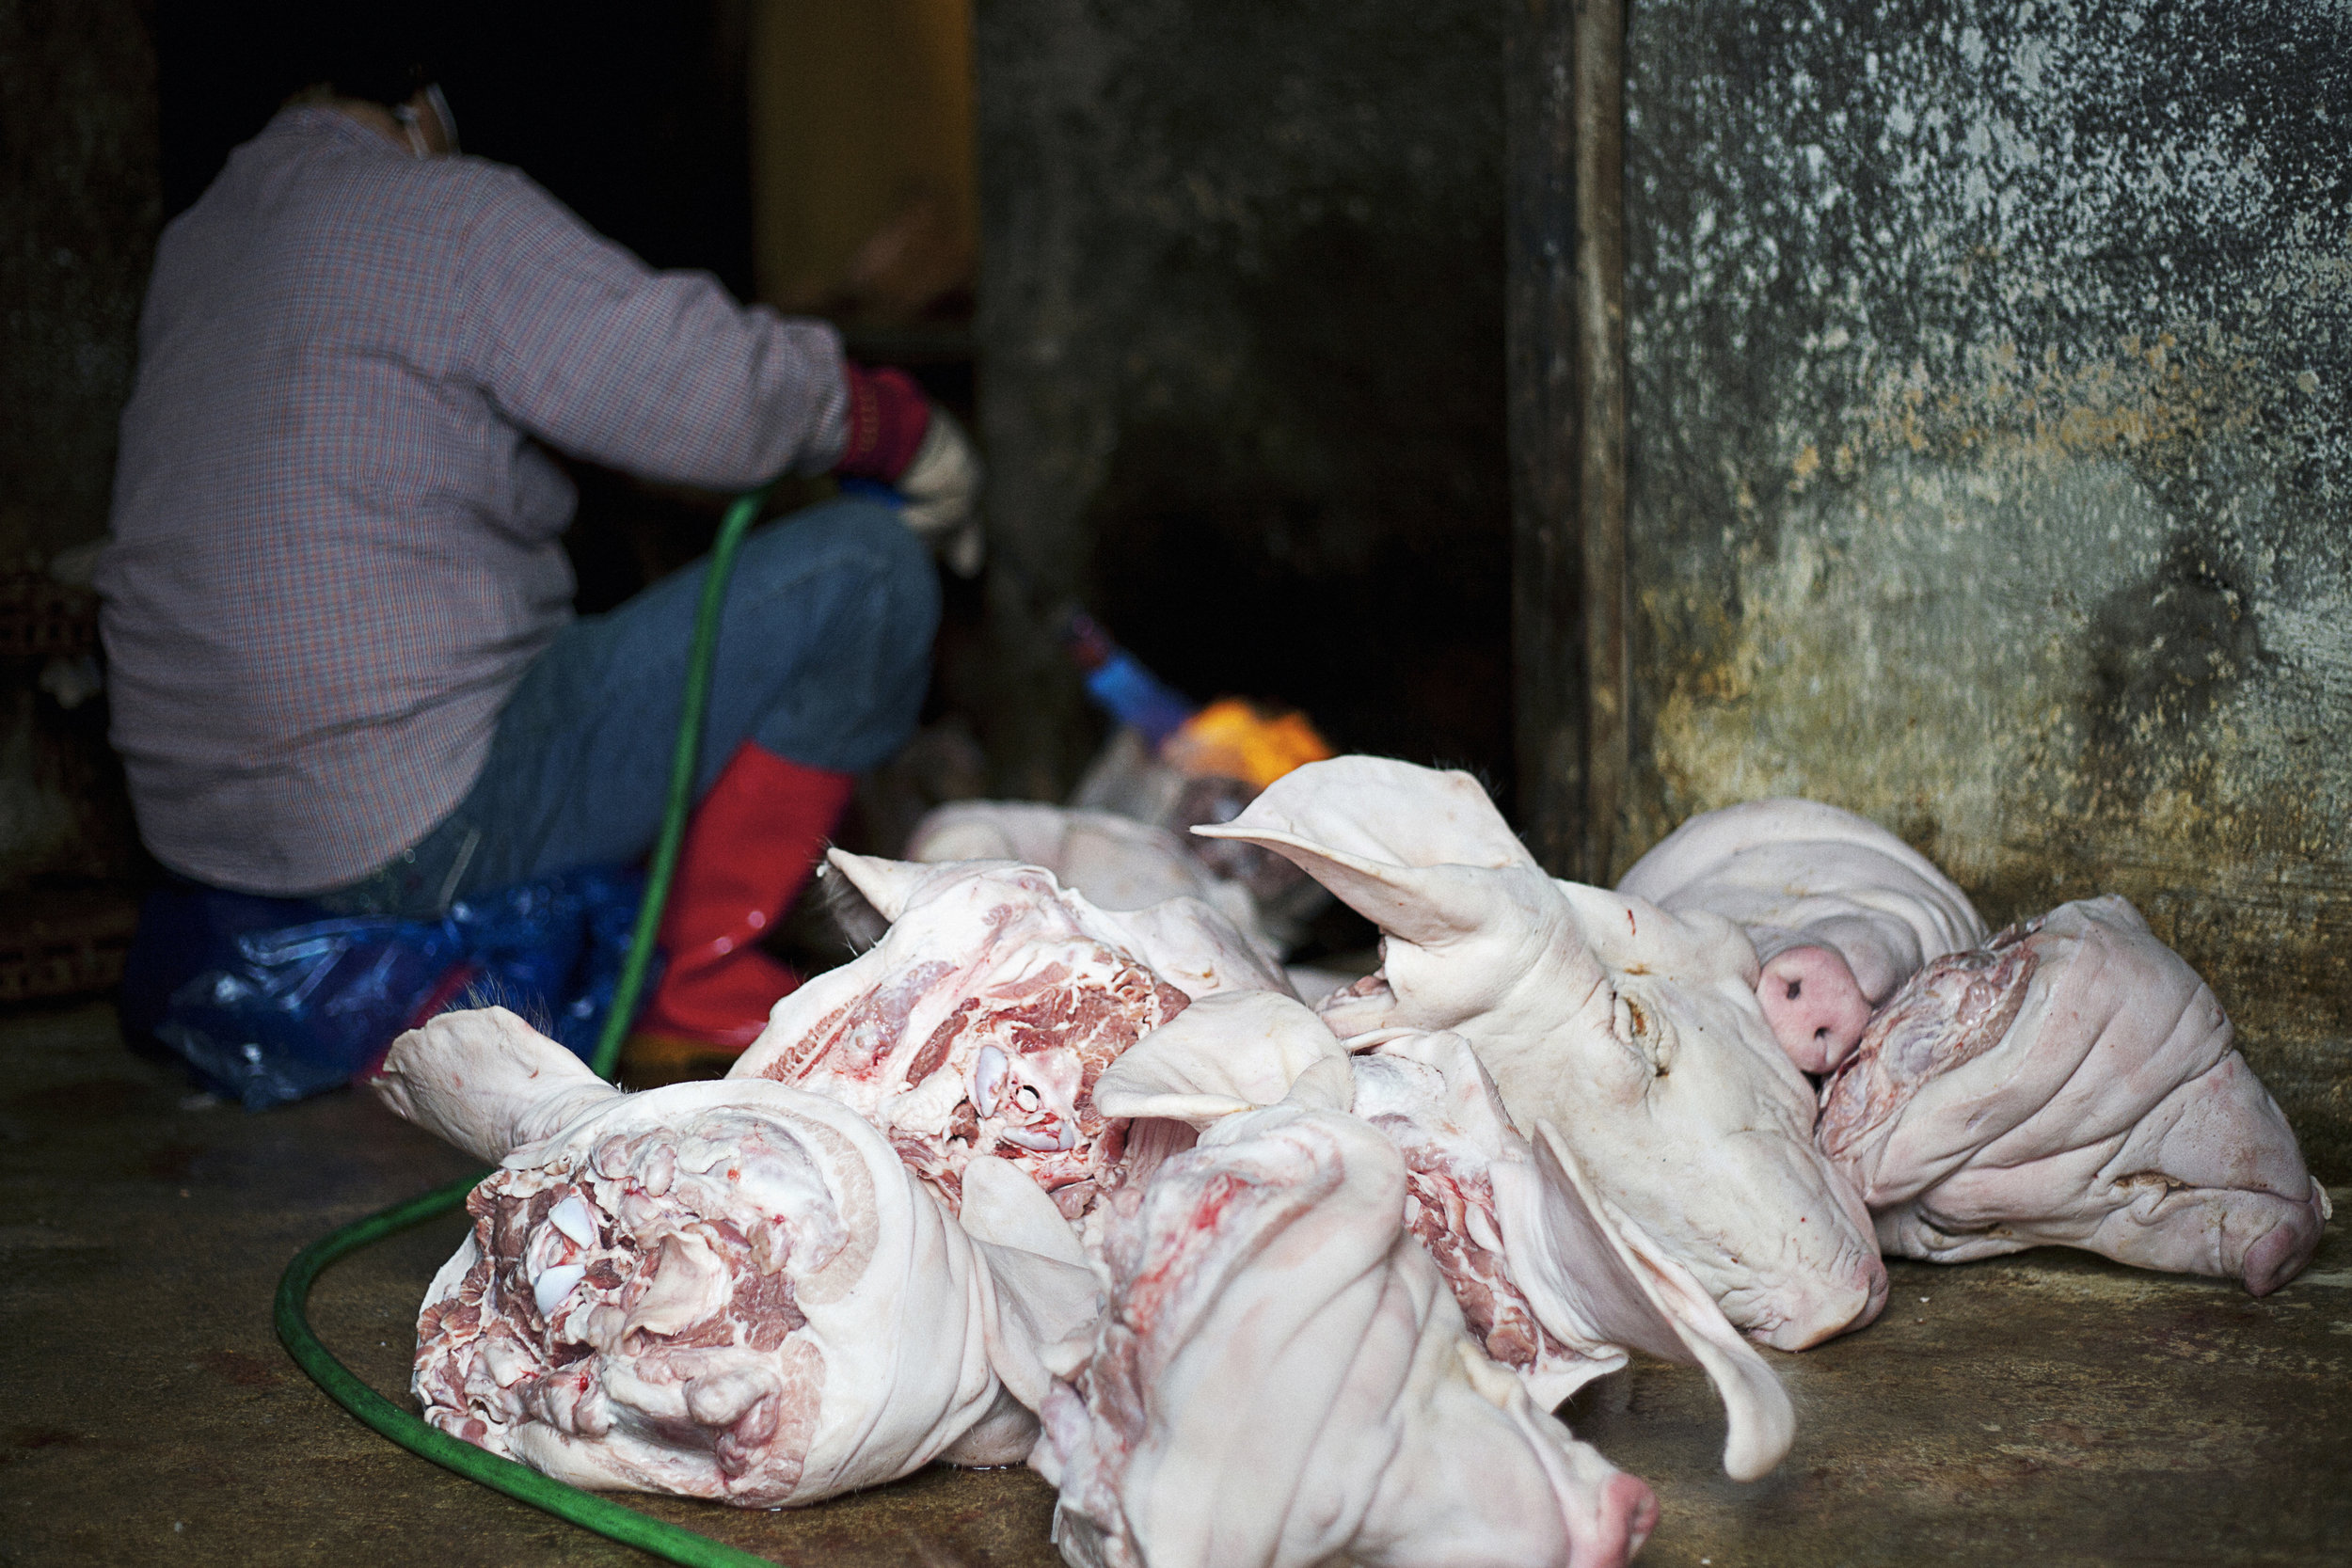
[658, 373]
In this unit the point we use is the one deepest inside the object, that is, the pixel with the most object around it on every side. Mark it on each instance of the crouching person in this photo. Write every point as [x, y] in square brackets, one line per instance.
[344, 665]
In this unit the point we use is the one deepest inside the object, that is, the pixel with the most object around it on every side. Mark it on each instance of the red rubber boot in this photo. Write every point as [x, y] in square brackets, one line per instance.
[748, 851]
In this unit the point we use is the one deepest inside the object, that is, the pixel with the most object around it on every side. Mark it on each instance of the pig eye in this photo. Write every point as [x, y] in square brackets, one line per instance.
[1024, 1097]
[1794, 987]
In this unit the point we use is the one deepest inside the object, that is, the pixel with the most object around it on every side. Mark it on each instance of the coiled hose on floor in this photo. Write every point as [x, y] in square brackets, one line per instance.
[601, 1514]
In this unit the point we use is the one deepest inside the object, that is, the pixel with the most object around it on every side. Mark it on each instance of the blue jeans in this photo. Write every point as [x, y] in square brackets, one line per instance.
[824, 652]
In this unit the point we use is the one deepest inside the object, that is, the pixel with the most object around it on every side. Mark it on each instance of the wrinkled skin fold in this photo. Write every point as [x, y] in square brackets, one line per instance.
[1841, 912]
[1636, 1033]
[2075, 1083]
[1272, 1259]
[680, 1291]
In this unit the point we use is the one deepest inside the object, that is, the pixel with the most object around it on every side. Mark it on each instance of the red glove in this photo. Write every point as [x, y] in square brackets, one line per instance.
[897, 436]
[888, 418]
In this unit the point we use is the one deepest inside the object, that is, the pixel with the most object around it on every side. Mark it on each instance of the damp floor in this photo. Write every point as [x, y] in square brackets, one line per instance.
[2049, 1408]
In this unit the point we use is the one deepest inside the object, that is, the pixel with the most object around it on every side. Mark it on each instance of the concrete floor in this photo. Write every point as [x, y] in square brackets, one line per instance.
[2051, 1408]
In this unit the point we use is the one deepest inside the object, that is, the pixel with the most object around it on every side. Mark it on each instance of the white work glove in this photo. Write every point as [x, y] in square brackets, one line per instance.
[941, 488]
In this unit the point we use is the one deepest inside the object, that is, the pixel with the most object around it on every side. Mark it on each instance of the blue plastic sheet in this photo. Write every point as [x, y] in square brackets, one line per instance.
[270, 1000]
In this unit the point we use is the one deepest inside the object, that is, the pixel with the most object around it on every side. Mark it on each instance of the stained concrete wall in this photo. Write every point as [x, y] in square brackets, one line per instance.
[1993, 460]
[1241, 379]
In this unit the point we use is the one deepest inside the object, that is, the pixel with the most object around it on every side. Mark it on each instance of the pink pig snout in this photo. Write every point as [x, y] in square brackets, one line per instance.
[1815, 1005]
[2281, 1252]
[1627, 1512]
[1836, 1302]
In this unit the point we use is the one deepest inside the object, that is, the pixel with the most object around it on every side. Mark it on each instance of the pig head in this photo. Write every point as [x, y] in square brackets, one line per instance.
[977, 1025]
[1281, 1379]
[1635, 1033]
[1841, 912]
[2075, 1083]
[1552, 1282]
[678, 1291]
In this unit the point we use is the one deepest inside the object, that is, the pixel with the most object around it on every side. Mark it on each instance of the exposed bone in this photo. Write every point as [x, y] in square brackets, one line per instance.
[976, 1025]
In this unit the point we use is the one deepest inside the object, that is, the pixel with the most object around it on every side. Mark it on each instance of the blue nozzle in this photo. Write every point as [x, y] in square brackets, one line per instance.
[1135, 697]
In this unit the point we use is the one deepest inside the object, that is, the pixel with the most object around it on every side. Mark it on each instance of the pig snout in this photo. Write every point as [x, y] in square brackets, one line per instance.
[1624, 1514]
[2281, 1252]
[1872, 1273]
[1816, 1008]
[1841, 1300]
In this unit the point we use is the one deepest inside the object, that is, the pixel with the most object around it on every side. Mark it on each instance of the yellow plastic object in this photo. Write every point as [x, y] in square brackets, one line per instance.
[1232, 738]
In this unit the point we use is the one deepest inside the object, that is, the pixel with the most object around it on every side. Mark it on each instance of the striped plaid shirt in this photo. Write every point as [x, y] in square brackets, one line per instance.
[335, 533]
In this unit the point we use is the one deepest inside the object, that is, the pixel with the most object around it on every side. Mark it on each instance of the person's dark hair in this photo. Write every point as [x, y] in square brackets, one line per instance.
[384, 57]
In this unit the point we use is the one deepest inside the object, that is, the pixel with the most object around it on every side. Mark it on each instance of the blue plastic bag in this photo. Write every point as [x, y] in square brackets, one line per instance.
[270, 1000]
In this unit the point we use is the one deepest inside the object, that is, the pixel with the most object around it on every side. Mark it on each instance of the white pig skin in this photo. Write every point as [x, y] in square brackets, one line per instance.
[1841, 912]
[2073, 1084]
[1271, 1258]
[1117, 863]
[707, 1289]
[1552, 1282]
[1635, 1033]
[485, 1080]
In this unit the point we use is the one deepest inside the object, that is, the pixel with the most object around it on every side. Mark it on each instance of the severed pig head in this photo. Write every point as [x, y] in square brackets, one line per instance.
[1553, 1281]
[2071, 1083]
[729, 1289]
[1635, 1033]
[1595, 1283]
[1281, 1379]
[979, 1023]
[1841, 912]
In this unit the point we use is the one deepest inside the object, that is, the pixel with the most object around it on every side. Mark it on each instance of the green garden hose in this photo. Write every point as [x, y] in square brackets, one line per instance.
[601, 1514]
[683, 759]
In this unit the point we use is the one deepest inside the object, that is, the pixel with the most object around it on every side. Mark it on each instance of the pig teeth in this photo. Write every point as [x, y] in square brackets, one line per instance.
[554, 1284]
[989, 1072]
[1482, 1229]
[572, 1217]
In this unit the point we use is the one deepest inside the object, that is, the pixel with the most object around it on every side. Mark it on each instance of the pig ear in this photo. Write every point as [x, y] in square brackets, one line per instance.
[1427, 906]
[886, 884]
[1191, 945]
[1592, 1273]
[1328, 1086]
[1471, 1102]
[1046, 1298]
[1003, 1206]
[1231, 1051]
[485, 1080]
[1387, 810]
